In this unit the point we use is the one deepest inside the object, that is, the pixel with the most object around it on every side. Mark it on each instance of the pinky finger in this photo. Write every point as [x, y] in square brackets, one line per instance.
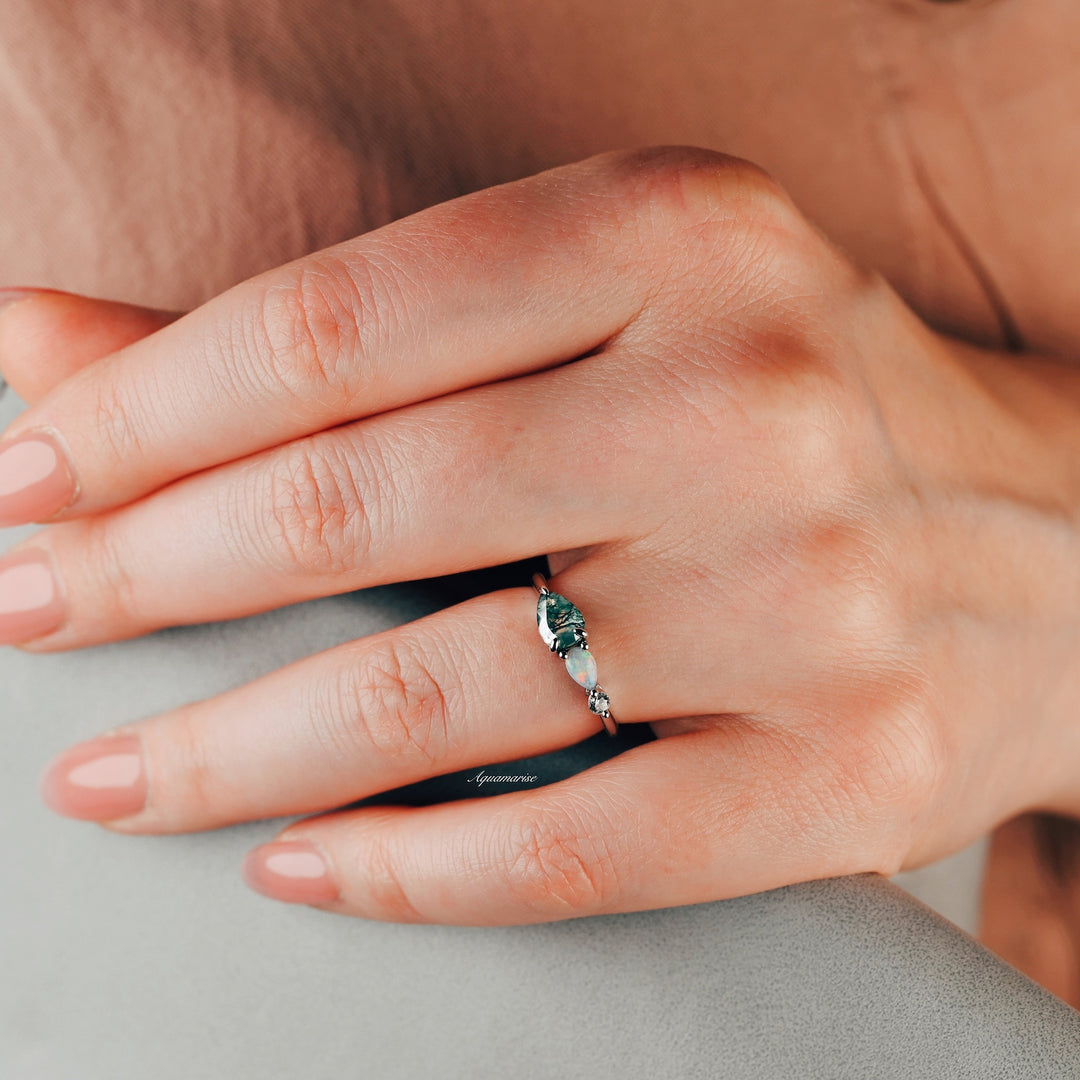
[695, 817]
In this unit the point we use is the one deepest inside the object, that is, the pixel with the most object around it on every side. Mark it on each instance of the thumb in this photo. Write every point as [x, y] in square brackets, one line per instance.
[47, 335]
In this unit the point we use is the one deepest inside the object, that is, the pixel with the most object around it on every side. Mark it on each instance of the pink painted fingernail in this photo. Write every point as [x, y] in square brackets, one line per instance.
[97, 780]
[19, 292]
[36, 479]
[30, 601]
[290, 870]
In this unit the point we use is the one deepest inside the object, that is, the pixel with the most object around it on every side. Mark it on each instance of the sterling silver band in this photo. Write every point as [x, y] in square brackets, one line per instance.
[562, 628]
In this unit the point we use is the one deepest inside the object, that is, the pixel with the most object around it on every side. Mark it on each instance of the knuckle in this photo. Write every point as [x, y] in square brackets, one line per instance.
[555, 861]
[873, 617]
[683, 190]
[112, 415]
[842, 582]
[812, 421]
[191, 785]
[314, 516]
[316, 331]
[116, 595]
[391, 701]
[908, 762]
[818, 444]
[384, 881]
[893, 769]
[724, 233]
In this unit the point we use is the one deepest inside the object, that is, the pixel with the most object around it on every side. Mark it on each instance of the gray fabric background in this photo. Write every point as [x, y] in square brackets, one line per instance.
[125, 958]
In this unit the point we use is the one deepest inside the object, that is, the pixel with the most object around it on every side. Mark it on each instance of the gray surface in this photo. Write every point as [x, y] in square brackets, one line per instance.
[951, 886]
[126, 958]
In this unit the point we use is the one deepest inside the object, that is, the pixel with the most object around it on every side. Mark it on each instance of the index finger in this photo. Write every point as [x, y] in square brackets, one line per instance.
[497, 283]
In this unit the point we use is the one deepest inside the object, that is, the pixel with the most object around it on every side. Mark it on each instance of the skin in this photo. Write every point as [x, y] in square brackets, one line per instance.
[861, 535]
[1030, 912]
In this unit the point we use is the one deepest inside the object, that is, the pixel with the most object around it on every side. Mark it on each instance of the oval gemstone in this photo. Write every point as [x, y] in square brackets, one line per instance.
[582, 666]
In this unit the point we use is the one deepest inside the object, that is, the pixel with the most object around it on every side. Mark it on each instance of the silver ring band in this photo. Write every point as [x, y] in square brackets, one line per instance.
[562, 628]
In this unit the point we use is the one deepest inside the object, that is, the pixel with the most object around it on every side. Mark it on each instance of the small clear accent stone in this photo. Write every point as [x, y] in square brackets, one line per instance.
[598, 701]
[559, 621]
[582, 667]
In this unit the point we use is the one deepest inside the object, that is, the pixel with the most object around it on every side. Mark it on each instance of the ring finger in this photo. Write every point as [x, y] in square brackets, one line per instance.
[469, 685]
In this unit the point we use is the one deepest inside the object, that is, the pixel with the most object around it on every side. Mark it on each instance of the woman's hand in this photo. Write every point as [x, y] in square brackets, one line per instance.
[831, 556]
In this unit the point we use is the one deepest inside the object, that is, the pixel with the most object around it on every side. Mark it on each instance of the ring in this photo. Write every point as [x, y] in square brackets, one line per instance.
[562, 627]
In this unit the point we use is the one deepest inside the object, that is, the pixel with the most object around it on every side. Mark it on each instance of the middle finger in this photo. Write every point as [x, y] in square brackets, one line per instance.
[477, 478]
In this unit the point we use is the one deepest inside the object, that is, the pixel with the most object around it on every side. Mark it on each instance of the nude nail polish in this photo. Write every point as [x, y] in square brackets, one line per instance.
[31, 604]
[97, 780]
[36, 479]
[290, 870]
[18, 292]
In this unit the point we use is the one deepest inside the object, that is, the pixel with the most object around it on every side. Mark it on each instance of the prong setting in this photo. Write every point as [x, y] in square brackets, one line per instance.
[562, 628]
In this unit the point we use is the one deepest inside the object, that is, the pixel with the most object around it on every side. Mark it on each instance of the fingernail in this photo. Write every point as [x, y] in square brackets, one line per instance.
[30, 601]
[97, 780]
[10, 295]
[36, 479]
[290, 870]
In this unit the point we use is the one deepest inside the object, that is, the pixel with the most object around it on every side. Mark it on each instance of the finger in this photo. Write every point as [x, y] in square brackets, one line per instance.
[480, 478]
[466, 686]
[695, 817]
[494, 284]
[47, 335]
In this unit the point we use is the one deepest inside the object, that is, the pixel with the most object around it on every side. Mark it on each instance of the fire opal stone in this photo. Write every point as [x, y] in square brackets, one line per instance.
[559, 621]
[582, 666]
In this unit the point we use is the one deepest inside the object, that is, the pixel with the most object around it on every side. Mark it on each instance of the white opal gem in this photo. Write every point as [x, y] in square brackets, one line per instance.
[582, 666]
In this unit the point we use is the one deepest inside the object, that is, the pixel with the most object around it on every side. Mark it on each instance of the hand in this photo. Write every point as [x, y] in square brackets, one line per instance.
[827, 553]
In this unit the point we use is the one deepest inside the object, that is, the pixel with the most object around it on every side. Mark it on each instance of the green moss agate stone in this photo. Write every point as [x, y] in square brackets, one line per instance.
[559, 621]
